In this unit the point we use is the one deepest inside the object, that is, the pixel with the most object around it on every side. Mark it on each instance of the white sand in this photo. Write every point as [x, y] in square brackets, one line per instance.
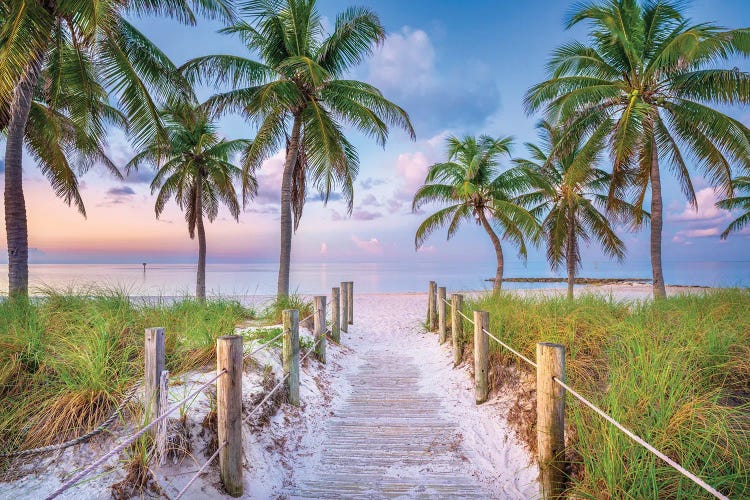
[278, 455]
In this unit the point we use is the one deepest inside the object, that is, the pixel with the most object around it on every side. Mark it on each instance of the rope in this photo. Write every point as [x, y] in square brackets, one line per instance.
[263, 346]
[200, 471]
[510, 348]
[77, 478]
[700, 482]
[80, 439]
[268, 396]
[465, 317]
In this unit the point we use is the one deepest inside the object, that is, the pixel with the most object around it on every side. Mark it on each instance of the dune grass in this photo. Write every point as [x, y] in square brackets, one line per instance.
[675, 371]
[68, 358]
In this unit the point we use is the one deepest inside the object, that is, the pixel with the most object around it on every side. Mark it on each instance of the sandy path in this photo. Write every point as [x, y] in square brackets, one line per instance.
[404, 422]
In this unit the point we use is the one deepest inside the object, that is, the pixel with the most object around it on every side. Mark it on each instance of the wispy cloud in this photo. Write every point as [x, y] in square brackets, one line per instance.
[371, 246]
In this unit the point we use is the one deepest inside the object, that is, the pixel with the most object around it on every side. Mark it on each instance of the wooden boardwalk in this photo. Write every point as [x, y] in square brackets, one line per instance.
[388, 440]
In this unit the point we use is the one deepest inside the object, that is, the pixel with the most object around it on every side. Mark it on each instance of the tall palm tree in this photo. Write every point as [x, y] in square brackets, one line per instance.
[741, 184]
[194, 167]
[648, 79]
[48, 45]
[569, 196]
[473, 187]
[298, 97]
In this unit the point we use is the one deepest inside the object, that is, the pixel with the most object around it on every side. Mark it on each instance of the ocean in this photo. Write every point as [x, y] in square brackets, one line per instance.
[375, 277]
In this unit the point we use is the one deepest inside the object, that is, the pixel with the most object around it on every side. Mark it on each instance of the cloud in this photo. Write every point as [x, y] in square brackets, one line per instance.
[706, 211]
[316, 197]
[360, 214]
[323, 248]
[371, 246]
[371, 201]
[141, 176]
[371, 182]
[269, 179]
[121, 191]
[404, 68]
[429, 249]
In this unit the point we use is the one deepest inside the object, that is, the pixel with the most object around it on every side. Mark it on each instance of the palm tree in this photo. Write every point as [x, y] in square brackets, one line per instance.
[741, 202]
[66, 56]
[472, 186]
[649, 81]
[568, 196]
[193, 167]
[299, 99]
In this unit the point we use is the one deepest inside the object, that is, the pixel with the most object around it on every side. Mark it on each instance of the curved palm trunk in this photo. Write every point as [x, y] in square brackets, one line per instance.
[656, 225]
[498, 283]
[285, 253]
[200, 286]
[570, 256]
[15, 205]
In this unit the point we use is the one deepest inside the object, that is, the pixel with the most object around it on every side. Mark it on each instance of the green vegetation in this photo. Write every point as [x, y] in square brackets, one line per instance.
[69, 357]
[674, 371]
[298, 94]
[472, 186]
[273, 311]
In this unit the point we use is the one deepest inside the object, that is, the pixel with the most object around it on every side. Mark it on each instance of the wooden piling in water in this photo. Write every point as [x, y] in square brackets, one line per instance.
[290, 354]
[481, 356]
[229, 412]
[319, 328]
[442, 313]
[335, 314]
[457, 327]
[154, 365]
[344, 307]
[550, 419]
[350, 301]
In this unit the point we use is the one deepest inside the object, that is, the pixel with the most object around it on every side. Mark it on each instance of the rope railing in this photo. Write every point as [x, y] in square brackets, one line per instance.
[200, 471]
[553, 405]
[265, 345]
[700, 482]
[116, 450]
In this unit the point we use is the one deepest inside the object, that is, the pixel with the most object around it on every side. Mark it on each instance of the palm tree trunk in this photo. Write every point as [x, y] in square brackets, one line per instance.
[656, 224]
[498, 283]
[570, 256]
[285, 252]
[15, 205]
[200, 286]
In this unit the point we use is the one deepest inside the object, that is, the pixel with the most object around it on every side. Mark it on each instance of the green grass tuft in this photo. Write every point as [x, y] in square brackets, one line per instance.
[674, 371]
[68, 358]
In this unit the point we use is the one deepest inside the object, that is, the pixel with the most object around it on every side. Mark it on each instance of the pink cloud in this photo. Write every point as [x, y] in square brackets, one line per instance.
[706, 211]
[269, 179]
[371, 246]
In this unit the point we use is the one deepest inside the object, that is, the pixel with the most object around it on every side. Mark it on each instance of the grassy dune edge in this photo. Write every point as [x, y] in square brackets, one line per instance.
[675, 371]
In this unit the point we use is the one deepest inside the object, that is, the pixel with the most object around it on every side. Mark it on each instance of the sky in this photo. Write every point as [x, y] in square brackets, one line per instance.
[457, 67]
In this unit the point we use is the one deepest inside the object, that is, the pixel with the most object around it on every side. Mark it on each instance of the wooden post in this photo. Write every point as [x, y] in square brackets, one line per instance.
[442, 312]
[481, 356]
[229, 411]
[319, 328]
[344, 307]
[162, 428]
[550, 419]
[457, 327]
[290, 354]
[335, 314]
[350, 301]
[431, 311]
[154, 360]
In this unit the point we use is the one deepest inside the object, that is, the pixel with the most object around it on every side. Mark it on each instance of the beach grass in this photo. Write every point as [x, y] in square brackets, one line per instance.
[70, 356]
[674, 371]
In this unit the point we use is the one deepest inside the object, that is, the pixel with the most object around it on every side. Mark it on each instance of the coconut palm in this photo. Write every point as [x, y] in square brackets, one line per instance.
[300, 100]
[194, 167]
[472, 186]
[741, 184]
[569, 197]
[68, 56]
[648, 79]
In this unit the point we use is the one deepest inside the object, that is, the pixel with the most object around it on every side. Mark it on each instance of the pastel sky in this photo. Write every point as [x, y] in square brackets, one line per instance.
[456, 67]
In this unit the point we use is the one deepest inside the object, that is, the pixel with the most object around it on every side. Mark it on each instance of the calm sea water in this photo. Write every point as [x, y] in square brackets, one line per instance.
[260, 278]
